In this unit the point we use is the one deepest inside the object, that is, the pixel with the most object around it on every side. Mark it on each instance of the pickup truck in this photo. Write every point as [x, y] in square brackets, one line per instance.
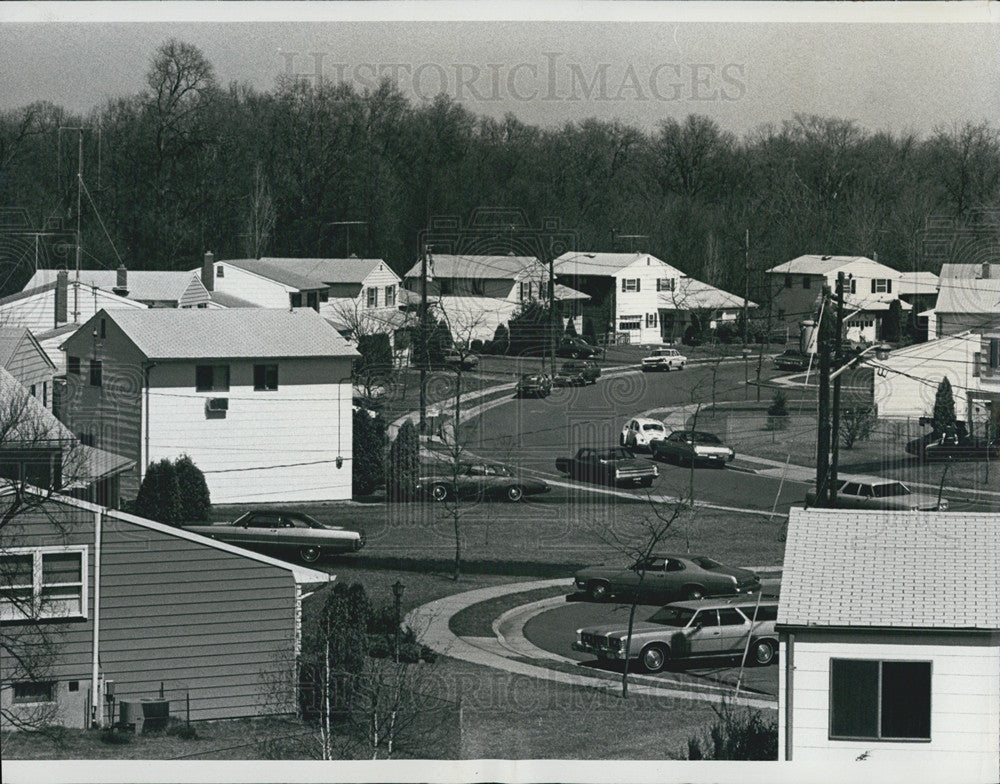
[616, 465]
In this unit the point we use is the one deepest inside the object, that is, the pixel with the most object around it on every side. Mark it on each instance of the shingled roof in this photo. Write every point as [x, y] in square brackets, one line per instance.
[905, 570]
[444, 265]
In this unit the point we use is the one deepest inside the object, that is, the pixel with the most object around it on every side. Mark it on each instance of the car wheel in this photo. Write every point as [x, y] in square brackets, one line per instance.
[762, 653]
[309, 554]
[515, 493]
[693, 592]
[653, 658]
[598, 591]
[439, 492]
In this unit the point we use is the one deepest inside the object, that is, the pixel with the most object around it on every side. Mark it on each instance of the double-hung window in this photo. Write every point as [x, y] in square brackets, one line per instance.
[95, 373]
[40, 583]
[211, 378]
[390, 296]
[630, 284]
[880, 700]
[265, 378]
[372, 297]
[881, 286]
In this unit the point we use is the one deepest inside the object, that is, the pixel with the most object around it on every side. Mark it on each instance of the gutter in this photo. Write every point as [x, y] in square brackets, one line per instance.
[96, 691]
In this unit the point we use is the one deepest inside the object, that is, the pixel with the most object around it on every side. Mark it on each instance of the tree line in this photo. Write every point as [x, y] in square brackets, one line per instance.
[188, 165]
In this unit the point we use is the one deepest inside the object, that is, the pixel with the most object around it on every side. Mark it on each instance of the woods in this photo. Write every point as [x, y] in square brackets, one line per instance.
[189, 164]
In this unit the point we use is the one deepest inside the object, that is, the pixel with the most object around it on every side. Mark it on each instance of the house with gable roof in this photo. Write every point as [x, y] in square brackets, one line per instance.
[968, 300]
[889, 629]
[153, 288]
[638, 298]
[24, 358]
[260, 399]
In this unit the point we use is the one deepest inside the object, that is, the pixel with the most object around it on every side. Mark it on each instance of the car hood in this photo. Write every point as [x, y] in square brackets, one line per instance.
[914, 500]
[621, 629]
[630, 462]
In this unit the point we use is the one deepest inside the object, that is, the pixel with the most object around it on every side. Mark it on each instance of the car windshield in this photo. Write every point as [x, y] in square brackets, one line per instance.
[672, 616]
[616, 454]
[653, 426]
[497, 470]
[891, 489]
[705, 438]
[707, 563]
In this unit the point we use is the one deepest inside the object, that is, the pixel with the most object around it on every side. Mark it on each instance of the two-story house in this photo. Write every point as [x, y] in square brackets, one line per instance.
[25, 359]
[797, 287]
[260, 399]
[968, 299]
[153, 288]
[637, 298]
[477, 293]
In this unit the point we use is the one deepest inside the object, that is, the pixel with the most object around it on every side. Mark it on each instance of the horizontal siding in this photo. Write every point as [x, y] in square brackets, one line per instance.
[195, 294]
[262, 292]
[30, 365]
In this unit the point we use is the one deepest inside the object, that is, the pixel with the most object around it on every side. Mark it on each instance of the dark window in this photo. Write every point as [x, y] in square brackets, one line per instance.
[880, 700]
[73, 365]
[263, 520]
[806, 282]
[73, 686]
[707, 618]
[764, 612]
[728, 617]
[33, 392]
[220, 271]
[674, 565]
[312, 300]
[265, 378]
[87, 439]
[45, 393]
[95, 372]
[296, 299]
[994, 358]
[30, 691]
[211, 378]
[446, 286]
[104, 329]
[788, 281]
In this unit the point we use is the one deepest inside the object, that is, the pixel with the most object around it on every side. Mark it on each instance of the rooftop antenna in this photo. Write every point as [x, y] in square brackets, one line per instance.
[348, 224]
[630, 237]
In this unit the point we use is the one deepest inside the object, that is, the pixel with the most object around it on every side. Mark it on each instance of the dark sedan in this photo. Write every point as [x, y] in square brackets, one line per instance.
[283, 530]
[666, 578]
[954, 448]
[792, 359]
[577, 373]
[691, 447]
[477, 480]
[534, 385]
[575, 348]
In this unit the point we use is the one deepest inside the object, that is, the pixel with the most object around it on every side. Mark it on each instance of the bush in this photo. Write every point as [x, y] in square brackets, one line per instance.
[116, 736]
[194, 498]
[476, 346]
[375, 350]
[856, 424]
[589, 330]
[403, 468]
[779, 405]
[745, 735]
[368, 441]
[944, 418]
[159, 495]
[726, 333]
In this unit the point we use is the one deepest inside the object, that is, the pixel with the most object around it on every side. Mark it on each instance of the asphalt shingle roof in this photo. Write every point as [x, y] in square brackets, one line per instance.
[478, 267]
[692, 294]
[967, 295]
[601, 264]
[907, 570]
[169, 333]
[815, 264]
[230, 300]
[146, 285]
[972, 271]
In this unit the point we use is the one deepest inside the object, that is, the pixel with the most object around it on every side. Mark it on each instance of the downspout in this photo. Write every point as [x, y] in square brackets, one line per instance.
[789, 670]
[144, 449]
[96, 690]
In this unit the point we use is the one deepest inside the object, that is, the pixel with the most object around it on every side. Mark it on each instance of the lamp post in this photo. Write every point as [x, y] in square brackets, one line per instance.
[397, 596]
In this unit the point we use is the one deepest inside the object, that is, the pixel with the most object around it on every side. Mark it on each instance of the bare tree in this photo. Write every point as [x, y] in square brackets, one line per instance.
[260, 216]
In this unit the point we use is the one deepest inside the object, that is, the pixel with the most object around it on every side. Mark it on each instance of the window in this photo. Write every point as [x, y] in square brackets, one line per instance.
[881, 286]
[104, 329]
[372, 297]
[34, 393]
[73, 365]
[447, 286]
[854, 286]
[626, 323]
[296, 299]
[706, 618]
[86, 438]
[220, 271]
[630, 284]
[95, 372]
[45, 393]
[312, 300]
[43, 582]
[650, 319]
[993, 360]
[211, 378]
[30, 691]
[788, 281]
[390, 296]
[665, 284]
[880, 700]
[729, 617]
[806, 282]
[265, 378]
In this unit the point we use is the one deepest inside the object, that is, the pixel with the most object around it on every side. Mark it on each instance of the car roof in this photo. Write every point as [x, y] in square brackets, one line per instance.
[275, 510]
[646, 421]
[725, 601]
[871, 480]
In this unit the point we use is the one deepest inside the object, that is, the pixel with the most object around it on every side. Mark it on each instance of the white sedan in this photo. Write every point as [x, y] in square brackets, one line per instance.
[664, 359]
[641, 432]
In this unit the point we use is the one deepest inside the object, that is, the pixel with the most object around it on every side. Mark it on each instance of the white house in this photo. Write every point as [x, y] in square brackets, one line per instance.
[906, 382]
[154, 288]
[889, 629]
[640, 298]
[968, 299]
[797, 286]
[260, 399]
[58, 303]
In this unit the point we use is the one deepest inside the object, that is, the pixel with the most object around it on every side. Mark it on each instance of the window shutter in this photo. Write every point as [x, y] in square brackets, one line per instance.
[623, 284]
[638, 284]
[873, 285]
[888, 286]
[658, 284]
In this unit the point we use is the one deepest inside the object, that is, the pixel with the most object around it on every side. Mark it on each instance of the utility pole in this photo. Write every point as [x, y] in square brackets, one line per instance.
[823, 437]
[838, 348]
[552, 338]
[423, 339]
[79, 247]
[746, 288]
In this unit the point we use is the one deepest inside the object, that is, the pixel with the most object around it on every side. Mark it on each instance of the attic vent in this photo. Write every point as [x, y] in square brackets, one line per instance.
[826, 258]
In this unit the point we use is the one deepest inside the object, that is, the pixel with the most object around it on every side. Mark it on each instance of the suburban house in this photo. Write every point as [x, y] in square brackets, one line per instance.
[889, 630]
[638, 298]
[474, 294]
[38, 449]
[906, 382]
[25, 359]
[58, 303]
[260, 399]
[153, 288]
[137, 611]
[968, 299]
[797, 287]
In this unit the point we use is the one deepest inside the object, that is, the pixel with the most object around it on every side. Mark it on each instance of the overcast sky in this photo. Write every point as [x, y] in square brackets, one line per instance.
[884, 75]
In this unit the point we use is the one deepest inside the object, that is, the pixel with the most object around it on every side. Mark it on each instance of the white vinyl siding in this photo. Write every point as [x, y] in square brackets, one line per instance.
[253, 288]
[37, 311]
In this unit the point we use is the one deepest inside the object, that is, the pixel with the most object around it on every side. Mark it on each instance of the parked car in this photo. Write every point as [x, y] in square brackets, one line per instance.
[666, 578]
[454, 359]
[283, 530]
[477, 480]
[690, 630]
[575, 348]
[665, 359]
[792, 359]
[577, 373]
[534, 385]
[641, 432]
[616, 465]
[692, 447]
[875, 493]
[954, 447]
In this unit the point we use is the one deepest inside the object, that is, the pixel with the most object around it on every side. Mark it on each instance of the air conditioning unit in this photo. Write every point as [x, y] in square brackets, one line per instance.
[217, 404]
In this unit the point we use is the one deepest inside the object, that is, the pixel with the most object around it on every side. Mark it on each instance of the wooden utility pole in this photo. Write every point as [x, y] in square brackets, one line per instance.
[839, 354]
[746, 289]
[553, 338]
[423, 339]
[823, 437]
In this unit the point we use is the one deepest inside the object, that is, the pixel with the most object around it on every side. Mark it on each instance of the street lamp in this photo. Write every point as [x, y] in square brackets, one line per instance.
[397, 595]
[881, 353]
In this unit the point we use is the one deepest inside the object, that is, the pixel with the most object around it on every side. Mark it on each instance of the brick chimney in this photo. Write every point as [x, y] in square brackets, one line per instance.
[121, 282]
[208, 271]
[62, 297]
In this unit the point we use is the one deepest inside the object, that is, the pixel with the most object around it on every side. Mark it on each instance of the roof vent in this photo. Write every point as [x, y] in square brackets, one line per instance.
[353, 256]
[826, 258]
